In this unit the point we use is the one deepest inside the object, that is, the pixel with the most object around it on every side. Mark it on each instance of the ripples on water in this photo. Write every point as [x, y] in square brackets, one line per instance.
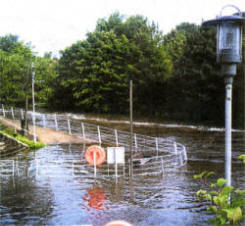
[55, 186]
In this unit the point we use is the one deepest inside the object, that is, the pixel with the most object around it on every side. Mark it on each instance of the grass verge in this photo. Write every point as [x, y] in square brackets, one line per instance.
[10, 132]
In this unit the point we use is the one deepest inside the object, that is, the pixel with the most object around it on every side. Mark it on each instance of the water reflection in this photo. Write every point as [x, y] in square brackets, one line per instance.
[55, 185]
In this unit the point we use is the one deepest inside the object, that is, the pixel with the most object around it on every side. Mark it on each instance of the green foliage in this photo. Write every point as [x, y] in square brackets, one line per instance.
[227, 205]
[242, 157]
[94, 74]
[10, 132]
[15, 75]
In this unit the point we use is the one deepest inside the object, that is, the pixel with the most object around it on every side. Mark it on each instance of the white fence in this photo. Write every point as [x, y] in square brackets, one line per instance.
[165, 151]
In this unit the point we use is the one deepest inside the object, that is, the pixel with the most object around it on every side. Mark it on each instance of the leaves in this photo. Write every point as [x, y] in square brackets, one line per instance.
[242, 157]
[234, 215]
[94, 74]
[220, 182]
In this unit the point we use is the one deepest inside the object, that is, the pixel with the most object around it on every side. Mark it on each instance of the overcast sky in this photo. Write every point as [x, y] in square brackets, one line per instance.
[52, 25]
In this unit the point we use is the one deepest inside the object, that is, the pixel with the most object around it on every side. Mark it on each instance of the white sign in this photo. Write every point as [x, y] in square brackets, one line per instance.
[116, 155]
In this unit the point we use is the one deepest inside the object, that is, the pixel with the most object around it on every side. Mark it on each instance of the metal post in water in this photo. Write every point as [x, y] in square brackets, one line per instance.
[55, 122]
[116, 137]
[21, 114]
[12, 111]
[99, 137]
[162, 165]
[115, 159]
[33, 105]
[135, 141]
[228, 131]
[175, 148]
[185, 154]
[95, 168]
[156, 145]
[131, 128]
[83, 130]
[69, 126]
[44, 120]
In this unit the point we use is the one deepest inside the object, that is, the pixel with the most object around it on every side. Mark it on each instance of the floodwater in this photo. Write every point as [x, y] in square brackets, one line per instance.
[55, 186]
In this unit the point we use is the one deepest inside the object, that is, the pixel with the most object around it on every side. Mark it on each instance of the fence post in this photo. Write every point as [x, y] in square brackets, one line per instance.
[175, 148]
[116, 137]
[83, 130]
[44, 120]
[12, 111]
[99, 137]
[21, 114]
[69, 126]
[185, 155]
[162, 164]
[3, 111]
[181, 160]
[115, 159]
[55, 121]
[135, 141]
[156, 145]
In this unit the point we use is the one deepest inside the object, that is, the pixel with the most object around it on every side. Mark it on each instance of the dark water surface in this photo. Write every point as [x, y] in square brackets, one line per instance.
[54, 185]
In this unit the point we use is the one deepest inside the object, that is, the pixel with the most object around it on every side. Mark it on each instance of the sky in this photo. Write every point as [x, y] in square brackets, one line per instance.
[53, 25]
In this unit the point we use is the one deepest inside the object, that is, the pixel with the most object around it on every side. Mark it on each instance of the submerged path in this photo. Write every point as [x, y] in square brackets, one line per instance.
[50, 136]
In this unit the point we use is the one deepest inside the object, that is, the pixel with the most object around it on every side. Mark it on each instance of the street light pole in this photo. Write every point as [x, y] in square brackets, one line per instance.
[229, 54]
[33, 105]
[228, 129]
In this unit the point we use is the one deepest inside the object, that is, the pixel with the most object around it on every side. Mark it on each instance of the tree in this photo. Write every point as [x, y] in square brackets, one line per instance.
[197, 87]
[94, 74]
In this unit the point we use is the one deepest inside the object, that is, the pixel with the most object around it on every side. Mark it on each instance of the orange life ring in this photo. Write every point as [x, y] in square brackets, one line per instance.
[96, 151]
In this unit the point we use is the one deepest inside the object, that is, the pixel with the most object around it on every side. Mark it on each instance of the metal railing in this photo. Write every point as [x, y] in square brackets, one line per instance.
[163, 150]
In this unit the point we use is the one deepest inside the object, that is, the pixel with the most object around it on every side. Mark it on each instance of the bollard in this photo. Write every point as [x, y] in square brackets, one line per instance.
[116, 137]
[99, 137]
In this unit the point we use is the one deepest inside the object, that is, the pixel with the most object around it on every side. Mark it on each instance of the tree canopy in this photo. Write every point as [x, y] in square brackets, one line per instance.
[175, 75]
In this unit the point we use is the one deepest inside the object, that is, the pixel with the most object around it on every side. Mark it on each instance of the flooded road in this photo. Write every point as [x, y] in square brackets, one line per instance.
[55, 186]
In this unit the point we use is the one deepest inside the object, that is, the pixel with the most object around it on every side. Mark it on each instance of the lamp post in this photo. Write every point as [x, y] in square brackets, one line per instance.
[33, 104]
[229, 54]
